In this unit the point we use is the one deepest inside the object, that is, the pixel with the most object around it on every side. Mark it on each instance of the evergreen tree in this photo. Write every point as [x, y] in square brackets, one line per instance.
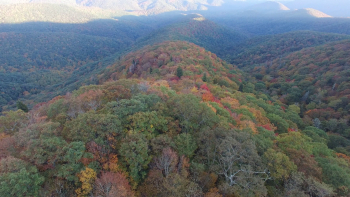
[22, 106]
[204, 78]
[179, 72]
[240, 87]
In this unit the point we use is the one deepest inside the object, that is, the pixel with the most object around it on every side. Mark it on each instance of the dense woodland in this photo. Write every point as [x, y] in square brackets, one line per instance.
[318, 80]
[33, 61]
[162, 128]
[174, 104]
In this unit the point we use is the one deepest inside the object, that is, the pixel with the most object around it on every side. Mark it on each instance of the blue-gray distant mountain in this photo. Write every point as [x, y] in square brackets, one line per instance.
[136, 6]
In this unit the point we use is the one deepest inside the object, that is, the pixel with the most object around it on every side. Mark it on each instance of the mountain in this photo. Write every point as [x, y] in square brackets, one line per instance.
[308, 12]
[317, 78]
[268, 6]
[135, 6]
[254, 23]
[33, 62]
[196, 29]
[167, 120]
[262, 50]
[337, 8]
[160, 60]
[58, 13]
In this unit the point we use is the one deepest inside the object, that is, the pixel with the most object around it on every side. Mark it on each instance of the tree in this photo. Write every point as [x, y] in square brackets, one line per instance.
[179, 72]
[239, 163]
[185, 144]
[135, 152]
[191, 112]
[17, 178]
[298, 185]
[204, 78]
[241, 87]
[306, 163]
[22, 106]
[317, 123]
[249, 88]
[111, 184]
[87, 178]
[70, 164]
[149, 123]
[92, 126]
[12, 121]
[294, 108]
[280, 123]
[177, 185]
[278, 164]
[167, 161]
[333, 173]
[294, 140]
[45, 150]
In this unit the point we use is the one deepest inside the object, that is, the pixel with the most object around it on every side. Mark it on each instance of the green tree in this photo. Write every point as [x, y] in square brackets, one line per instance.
[12, 121]
[185, 144]
[22, 106]
[70, 163]
[278, 164]
[149, 123]
[280, 123]
[249, 88]
[179, 72]
[241, 86]
[91, 126]
[191, 112]
[17, 178]
[135, 153]
[204, 78]
[333, 172]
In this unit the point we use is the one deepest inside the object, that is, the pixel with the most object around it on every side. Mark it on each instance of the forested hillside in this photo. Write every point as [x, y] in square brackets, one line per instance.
[196, 29]
[42, 60]
[32, 62]
[169, 120]
[264, 49]
[255, 23]
[318, 80]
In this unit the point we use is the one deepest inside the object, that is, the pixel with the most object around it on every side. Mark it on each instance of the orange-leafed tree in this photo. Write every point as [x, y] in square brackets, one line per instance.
[208, 97]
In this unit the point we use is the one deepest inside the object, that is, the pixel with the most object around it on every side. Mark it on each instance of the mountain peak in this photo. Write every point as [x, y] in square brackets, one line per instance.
[308, 12]
[269, 6]
[316, 13]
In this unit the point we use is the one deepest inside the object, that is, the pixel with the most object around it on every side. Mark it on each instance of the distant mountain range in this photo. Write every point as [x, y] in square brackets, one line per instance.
[337, 8]
[135, 6]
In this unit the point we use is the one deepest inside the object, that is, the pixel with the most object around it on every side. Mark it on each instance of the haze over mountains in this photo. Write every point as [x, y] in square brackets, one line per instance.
[336, 8]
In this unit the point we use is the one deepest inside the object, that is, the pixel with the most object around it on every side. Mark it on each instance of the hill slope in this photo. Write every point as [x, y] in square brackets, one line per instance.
[161, 61]
[318, 79]
[32, 62]
[264, 49]
[196, 29]
[308, 12]
[167, 134]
